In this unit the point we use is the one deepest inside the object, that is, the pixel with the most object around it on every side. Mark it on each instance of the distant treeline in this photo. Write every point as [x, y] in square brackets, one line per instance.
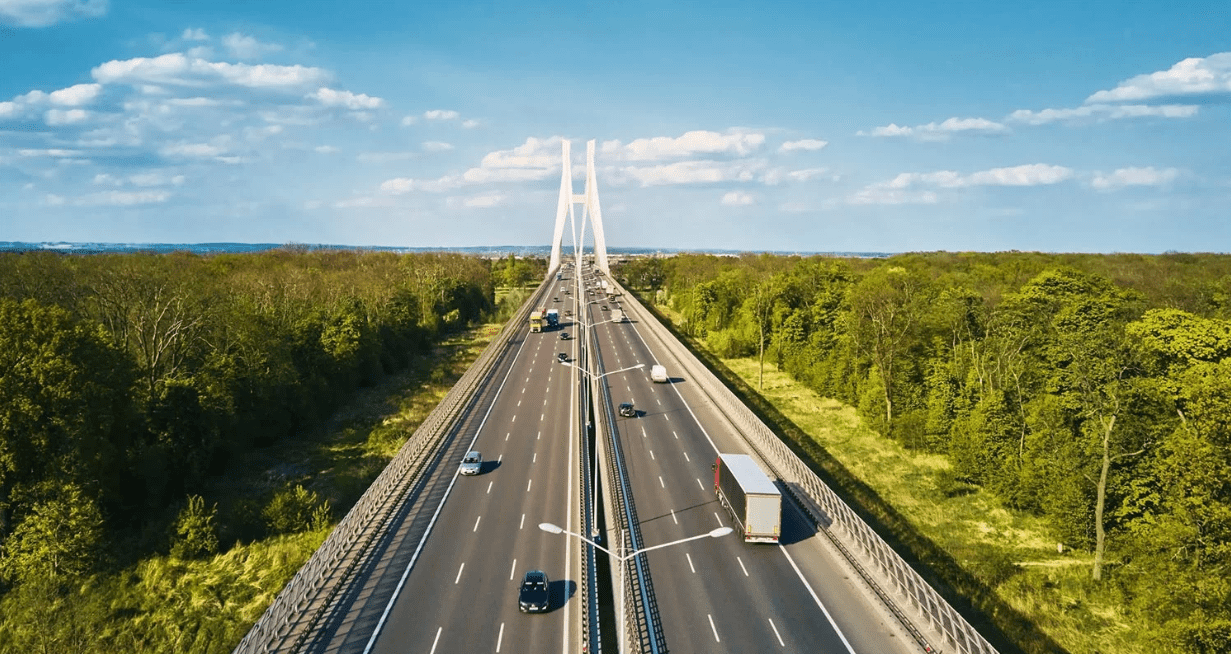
[125, 380]
[1092, 390]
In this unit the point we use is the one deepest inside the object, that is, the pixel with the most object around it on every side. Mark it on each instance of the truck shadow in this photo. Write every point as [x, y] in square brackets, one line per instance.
[696, 507]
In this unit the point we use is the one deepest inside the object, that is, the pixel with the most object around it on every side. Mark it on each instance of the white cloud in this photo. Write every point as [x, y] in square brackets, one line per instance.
[384, 157]
[75, 96]
[806, 174]
[804, 144]
[59, 117]
[1148, 176]
[882, 195]
[332, 98]
[49, 152]
[1195, 76]
[403, 185]
[362, 202]
[193, 150]
[409, 120]
[939, 131]
[177, 69]
[122, 198]
[470, 123]
[737, 198]
[902, 189]
[483, 201]
[441, 114]
[242, 46]
[688, 144]
[1102, 112]
[194, 35]
[53, 200]
[692, 172]
[325, 149]
[437, 146]
[41, 13]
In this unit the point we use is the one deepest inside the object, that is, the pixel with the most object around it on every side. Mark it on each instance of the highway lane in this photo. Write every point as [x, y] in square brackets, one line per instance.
[723, 594]
[461, 594]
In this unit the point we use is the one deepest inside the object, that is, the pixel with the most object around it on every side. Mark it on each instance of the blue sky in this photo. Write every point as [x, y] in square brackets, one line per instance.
[865, 126]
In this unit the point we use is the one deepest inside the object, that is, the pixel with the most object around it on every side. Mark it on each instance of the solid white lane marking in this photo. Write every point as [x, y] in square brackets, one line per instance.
[523, 521]
[673, 517]
[776, 632]
[436, 640]
[712, 627]
[686, 457]
[718, 519]
[500, 638]
[817, 599]
[690, 565]
[660, 481]
[513, 570]
[489, 486]
[652, 457]
[528, 482]
[459, 573]
[476, 523]
[741, 566]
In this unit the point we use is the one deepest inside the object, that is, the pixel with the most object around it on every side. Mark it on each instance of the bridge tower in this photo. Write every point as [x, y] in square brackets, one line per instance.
[591, 211]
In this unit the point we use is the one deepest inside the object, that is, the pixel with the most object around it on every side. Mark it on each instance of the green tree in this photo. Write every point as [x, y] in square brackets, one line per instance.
[886, 305]
[59, 539]
[295, 509]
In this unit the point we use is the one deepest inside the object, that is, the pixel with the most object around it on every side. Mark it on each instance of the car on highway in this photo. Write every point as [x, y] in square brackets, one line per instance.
[605, 308]
[627, 410]
[472, 463]
[564, 336]
[533, 595]
[555, 299]
[562, 357]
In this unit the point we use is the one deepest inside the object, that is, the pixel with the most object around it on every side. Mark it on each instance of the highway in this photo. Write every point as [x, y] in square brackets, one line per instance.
[724, 595]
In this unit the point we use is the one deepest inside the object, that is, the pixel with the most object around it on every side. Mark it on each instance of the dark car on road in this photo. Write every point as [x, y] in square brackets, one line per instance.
[562, 357]
[564, 336]
[533, 596]
[627, 410]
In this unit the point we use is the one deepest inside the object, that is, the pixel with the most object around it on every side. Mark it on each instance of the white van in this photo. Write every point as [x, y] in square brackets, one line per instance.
[658, 374]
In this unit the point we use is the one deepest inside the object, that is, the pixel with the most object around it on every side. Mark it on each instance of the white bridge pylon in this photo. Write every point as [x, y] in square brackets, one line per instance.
[592, 210]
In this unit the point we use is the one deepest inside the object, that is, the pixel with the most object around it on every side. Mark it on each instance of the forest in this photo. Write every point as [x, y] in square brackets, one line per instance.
[129, 381]
[1093, 391]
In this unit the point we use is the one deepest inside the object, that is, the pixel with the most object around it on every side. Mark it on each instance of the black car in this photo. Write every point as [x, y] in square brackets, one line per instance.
[564, 336]
[627, 410]
[562, 357]
[604, 307]
[533, 596]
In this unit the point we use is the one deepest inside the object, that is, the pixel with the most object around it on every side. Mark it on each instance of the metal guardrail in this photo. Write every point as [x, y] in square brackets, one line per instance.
[640, 622]
[890, 569]
[289, 620]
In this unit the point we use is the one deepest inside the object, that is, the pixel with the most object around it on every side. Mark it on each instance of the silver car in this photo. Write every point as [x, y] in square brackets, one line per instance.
[472, 463]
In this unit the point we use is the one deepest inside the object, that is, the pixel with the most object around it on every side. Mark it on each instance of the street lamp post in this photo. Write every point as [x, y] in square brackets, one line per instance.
[624, 558]
[594, 468]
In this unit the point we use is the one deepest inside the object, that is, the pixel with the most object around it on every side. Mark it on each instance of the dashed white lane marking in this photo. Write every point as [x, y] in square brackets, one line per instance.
[741, 566]
[523, 521]
[686, 457]
[436, 640]
[690, 565]
[459, 573]
[476, 523]
[718, 519]
[500, 459]
[660, 402]
[528, 482]
[673, 517]
[668, 417]
[519, 403]
[535, 459]
[700, 484]
[489, 486]
[652, 457]
[500, 638]
[514, 419]
[513, 569]
[542, 416]
[643, 431]
[660, 481]
[506, 436]
[713, 628]
[539, 436]
[771, 626]
[677, 436]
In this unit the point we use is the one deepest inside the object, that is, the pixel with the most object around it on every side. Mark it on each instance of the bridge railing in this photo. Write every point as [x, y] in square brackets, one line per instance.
[898, 585]
[289, 620]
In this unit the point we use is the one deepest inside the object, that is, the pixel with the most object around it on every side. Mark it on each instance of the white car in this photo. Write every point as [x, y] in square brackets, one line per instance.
[472, 463]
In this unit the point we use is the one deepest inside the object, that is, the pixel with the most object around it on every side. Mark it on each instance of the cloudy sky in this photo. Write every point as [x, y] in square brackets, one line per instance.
[815, 126]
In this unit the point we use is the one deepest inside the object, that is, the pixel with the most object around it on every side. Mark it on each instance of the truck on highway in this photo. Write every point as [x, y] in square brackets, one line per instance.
[658, 374]
[750, 497]
[617, 315]
[553, 318]
[536, 321]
